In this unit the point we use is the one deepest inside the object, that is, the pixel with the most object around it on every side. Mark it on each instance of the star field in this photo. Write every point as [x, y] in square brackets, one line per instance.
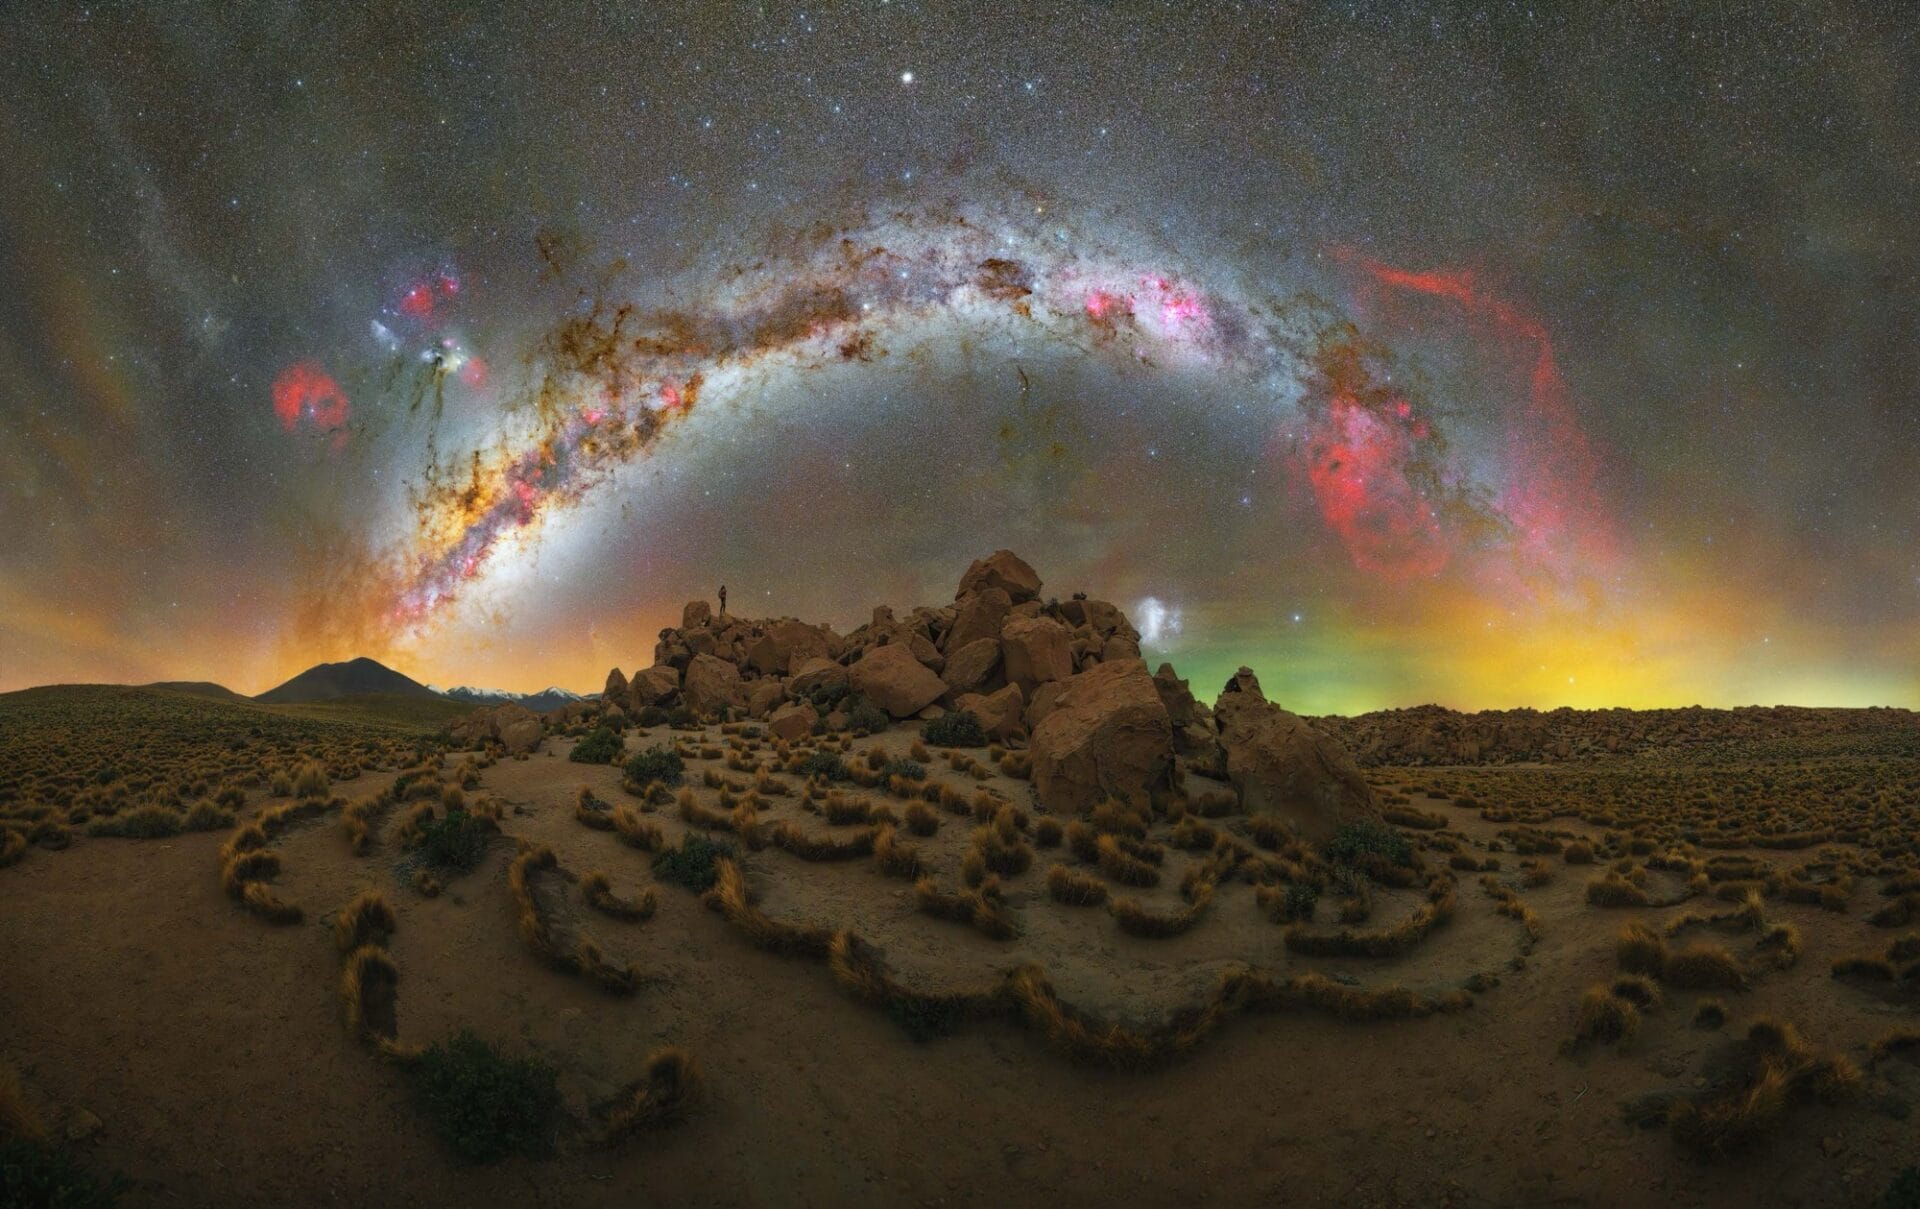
[1483, 354]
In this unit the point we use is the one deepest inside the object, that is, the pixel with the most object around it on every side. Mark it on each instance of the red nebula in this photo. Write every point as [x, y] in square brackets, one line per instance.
[305, 394]
[474, 372]
[1356, 464]
[1552, 494]
[417, 302]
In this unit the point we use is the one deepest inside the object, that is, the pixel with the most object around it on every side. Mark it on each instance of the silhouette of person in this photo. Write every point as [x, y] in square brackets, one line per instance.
[723, 598]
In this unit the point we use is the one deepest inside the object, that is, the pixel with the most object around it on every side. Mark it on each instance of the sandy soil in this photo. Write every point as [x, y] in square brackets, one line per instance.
[210, 1045]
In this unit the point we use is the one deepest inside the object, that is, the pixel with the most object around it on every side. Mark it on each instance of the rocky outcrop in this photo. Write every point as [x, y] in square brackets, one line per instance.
[1195, 740]
[814, 675]
[1035, 650]
[981, 615]
[1003, 569]
[1107, 736]
[999, 713]
[513, 726]
[712, 686]
[616, 689]
[1282, 766]
[893, 679]
[792, 721]
[657, 685]
[973, 668]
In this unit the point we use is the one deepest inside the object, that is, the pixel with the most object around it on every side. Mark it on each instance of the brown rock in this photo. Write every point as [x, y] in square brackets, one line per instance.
[974, 667]
[813, 674]
[616, 689]
[696, 613]
[792, 721]
[1002, 569]
[999, 713]
[1119, 646]
[1036, 650]
[981, 615]
[712, 685]
[655, 686]
[763, 695]
[1106, 736]
[518, 728]
[894, 680]
[1043, 701]
[786, 645]
[1283, 766]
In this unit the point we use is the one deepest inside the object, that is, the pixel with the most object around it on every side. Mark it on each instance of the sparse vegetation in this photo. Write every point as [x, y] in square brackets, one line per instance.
[485, 1105]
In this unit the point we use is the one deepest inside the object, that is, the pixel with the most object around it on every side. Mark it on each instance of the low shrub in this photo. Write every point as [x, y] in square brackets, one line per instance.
[600, 746]
[692, 864]
[485, 1105]
[656, 763]
[955, 728]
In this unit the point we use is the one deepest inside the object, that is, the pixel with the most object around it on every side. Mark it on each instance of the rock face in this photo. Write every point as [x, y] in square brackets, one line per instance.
[815, 674]
[786, 645]
[1282, 766]
[1107, 735]
[999, 713]
[1003, 569]
[981, 615]
[657, 685]
[1036, 650]
[1194, 738]
[616, 690]
[974, 667]
[712, 685]
[791, 721]
[512, 725]
[895, 680]
[696, 613]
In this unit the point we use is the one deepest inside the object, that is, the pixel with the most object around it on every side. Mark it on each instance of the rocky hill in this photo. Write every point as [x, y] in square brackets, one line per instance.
[1062, 679]
[353, 678]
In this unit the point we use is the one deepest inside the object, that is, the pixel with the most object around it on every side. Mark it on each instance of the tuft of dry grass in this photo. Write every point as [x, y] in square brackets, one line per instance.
[921, 820]
[1612, 890]
[1639, 950]
[1390, 942]
[1781, 1070]
[893, 856]
[819, 847]
[1710, 1014]
[585, 957]
[731, 897]
[1578, 853]
[1135, 920]
[598, 890]
[367, 920]
[636, 832]
[1705, 967]
[979, 907]
[1075, 889]
[1864, 967]
[369, 984]
[1899, 1042]
[1122, 867]
[1639, 990]
[1606, 1018]
[662, 1097]
[13, 846]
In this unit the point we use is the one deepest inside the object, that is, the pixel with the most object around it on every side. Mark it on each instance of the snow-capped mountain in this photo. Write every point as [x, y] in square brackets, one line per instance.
[550, 698]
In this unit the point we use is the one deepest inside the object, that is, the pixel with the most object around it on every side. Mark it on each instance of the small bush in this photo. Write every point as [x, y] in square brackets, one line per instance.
[1366, 837]
[146, 823]
[656, 763]
[1606, 1017]
[865, 715]
[1640, 951]
[458, 841]
[1709, 1014]
[601, 746]
[33, 1174]
[824, 764]
[1705, 967]
[692, 863]
[487, 1106]
[206, 816]
[955, 728]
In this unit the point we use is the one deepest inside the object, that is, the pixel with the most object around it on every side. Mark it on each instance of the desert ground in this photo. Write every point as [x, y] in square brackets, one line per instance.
[167, 1031]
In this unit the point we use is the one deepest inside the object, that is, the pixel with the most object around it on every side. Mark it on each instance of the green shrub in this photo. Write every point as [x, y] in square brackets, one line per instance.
[955, 728]
[865, 715]
[601, 746]
[691, 864]
[651, 715]
[827, 696]
[1904, 1192]
[824, 764]
[1299, 901]
[458, 841]
[657, 763]
[906, 770]
[485, 1105]
[1365, 836]
[31, 1174]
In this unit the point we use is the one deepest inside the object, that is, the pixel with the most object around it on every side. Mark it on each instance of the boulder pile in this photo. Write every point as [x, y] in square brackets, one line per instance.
[1063, 679]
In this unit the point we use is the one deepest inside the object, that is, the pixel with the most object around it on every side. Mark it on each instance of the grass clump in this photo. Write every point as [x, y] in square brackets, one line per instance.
[1606, 1018]
[1705, 967]
[457, 842]
[598, 890]
[692, 864]
[955, 728]
[484, 1105]
[146, 823]
[1639, 950]
[670, 1088]
[600, 746]
[1075, 889]
[1364, 837]
[825, 765]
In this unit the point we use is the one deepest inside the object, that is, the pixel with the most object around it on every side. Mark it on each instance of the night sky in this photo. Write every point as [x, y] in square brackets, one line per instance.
[1475, 354]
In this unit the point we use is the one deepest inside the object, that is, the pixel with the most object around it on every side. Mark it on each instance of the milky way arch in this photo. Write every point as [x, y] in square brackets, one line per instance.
[615, 378]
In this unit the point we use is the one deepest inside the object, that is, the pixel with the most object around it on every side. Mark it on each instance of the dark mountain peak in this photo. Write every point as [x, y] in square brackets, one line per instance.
[352, 678]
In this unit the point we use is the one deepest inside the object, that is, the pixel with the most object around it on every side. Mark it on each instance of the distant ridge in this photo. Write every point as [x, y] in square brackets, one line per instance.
[199, 688]
[330, 681]
[545, 701]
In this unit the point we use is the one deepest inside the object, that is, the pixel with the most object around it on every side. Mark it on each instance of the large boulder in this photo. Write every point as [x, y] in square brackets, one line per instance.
[1284, 767]
[1107, 736]
[712, 685]
[1194, 738]
[1003, 569]
[763, 694]
[792, 721]
[518, 728]
[1036, 650]
[999, 713]
[973, 668]
[786, 645]
[811, 675]
[981, 615]
[616, 690]
[893, 679]
[655, 686]
[696, 613]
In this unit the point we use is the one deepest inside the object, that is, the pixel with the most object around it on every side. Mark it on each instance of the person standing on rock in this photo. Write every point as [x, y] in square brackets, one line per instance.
[723, 599]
